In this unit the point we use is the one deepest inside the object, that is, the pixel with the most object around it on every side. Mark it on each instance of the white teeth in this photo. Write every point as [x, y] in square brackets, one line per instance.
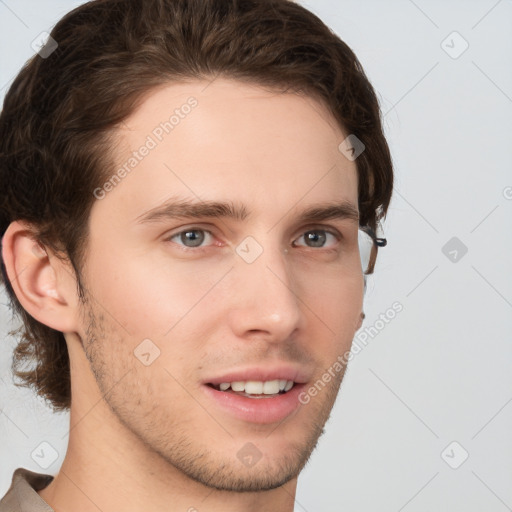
[252, 387]
[270, 387]
[238, 386]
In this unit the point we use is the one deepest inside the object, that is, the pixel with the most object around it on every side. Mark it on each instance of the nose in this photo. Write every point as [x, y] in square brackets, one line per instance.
[265, 301]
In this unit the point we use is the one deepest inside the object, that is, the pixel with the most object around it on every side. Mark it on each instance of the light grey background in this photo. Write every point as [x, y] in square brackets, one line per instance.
[438, 372]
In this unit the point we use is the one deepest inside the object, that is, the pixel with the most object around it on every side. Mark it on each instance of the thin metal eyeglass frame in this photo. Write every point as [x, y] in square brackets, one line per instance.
[377, 242]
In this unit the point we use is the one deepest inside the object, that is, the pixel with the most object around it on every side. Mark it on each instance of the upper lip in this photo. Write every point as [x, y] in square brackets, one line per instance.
[284, 372]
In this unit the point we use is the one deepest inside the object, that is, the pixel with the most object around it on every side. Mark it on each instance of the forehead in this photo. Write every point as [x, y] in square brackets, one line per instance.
[229, 140]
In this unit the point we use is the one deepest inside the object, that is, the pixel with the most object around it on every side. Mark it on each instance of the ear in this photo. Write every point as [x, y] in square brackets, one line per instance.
[44, 285]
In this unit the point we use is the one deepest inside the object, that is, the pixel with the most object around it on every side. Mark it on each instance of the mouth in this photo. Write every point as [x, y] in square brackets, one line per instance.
[255, 389]
[259, 402]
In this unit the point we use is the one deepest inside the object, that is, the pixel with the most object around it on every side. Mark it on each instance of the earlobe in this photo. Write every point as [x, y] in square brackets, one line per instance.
[41, 283]
[361, 318]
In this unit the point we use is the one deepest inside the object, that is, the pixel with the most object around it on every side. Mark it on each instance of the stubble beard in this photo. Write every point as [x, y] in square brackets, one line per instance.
[176, 446]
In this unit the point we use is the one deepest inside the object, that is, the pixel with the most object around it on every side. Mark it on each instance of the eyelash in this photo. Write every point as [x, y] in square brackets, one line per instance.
[324, 229]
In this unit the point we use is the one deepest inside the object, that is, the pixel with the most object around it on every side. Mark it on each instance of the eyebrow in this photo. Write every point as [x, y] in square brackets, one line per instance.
[187, 209]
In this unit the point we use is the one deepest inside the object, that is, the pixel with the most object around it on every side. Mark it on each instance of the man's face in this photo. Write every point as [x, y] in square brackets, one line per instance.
[177, 304]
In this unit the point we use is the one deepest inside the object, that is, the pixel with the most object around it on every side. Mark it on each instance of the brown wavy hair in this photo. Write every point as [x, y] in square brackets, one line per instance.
[59, 113]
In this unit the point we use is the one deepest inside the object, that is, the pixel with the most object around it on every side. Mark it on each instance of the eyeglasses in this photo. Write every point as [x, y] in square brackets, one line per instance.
[368, 247]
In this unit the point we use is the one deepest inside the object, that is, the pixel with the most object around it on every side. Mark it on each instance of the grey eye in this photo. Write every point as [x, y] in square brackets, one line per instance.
[316, 237]
[190, 237]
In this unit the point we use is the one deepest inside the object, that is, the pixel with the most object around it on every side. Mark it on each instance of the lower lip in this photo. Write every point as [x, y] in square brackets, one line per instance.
[257, 410]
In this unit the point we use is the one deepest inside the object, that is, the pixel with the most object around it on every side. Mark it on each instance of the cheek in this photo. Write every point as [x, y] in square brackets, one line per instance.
[336, 297]
[335, 311]
[147, 296]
